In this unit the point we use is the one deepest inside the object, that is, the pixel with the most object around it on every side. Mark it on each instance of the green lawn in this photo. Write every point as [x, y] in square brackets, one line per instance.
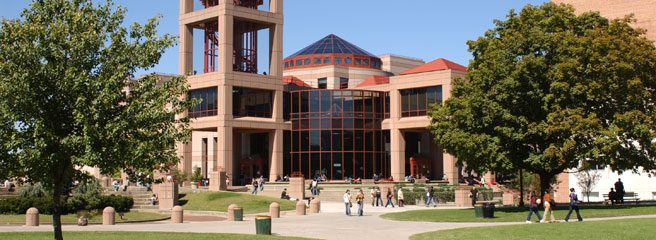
[513, 214]
[611, 229]
[137, 235]
[219, 201]
[72, 218]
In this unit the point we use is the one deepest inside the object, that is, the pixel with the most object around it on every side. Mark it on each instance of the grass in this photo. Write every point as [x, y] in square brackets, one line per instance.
[514, 214]
[138, 235]
[72, 218]
[219, 201]
[610, 229]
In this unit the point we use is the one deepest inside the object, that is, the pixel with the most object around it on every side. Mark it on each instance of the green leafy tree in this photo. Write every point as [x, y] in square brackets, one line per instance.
[64, 66]
[548, 90]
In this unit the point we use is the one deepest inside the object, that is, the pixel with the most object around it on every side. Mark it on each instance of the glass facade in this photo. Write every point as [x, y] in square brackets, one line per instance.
[417, 101]
[251, 102]
[207, 105]
[337, 133]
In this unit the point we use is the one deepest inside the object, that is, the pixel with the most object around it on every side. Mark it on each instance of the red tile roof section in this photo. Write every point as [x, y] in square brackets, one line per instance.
[294, 80]
[374, 80]
[435, 65]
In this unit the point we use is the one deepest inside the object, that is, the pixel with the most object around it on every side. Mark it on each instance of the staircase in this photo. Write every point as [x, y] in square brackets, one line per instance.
[140, 196]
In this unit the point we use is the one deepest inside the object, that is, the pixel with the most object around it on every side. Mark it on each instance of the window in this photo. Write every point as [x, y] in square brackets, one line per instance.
[299, 62]
[343, 83]
[251, 102]
[206, 105]
[286, 64]
[307, 61]
[417, 101]
[326, 60]
[347, 60]
[322, 83]
[365, 62]
[358, 61]
[338, 60]
[317, 61]
[291, 63]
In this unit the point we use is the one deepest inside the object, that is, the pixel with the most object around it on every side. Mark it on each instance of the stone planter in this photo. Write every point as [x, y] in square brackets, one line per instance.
[194, 185]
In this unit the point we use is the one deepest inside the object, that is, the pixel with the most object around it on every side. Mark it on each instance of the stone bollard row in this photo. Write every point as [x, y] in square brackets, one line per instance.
[32, 217]
[177, 214]
[300, 207]
[315, 205]
[109, 216]
[274, 210]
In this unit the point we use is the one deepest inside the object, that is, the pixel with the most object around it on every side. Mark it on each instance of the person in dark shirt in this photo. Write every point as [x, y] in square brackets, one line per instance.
[573, 205]
[533, 208]
[284, 195]
[619, 189]
[612, 196]
[473, 194]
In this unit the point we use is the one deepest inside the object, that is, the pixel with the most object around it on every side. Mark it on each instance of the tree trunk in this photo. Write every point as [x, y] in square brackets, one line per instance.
[545, 183]
[521, 188]
[56, 214]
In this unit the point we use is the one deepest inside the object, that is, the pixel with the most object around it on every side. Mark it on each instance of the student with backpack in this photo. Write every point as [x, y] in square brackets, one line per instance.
[573, 205]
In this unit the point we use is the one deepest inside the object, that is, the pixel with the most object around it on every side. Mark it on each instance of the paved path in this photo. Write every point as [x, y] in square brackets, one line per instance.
[330, 224]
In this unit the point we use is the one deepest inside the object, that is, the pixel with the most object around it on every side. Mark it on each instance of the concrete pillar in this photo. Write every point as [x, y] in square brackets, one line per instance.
[315, 205]
[275, 148]
[275, 6]
[109, 216]
[32, 217]
[218, 181]
[177, 214]
[398, 154]
[300, 207]
[274, 210]
[462, 198]
[184, 153]
[275, 52]
[296, 187]
[225, 47]
[225, 149]
[450, 168]
[167, 194]
[231, 212]
[185, 50]
[186, 6]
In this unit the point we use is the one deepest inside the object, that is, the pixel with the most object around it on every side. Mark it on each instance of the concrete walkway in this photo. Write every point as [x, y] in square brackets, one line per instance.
[332, 223]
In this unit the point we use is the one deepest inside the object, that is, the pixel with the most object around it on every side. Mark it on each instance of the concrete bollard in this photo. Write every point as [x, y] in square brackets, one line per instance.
[274, 210]
[231, 211]
[109, 216]
[176, 214]
[32, 217]
[315, 205]
[300, 208]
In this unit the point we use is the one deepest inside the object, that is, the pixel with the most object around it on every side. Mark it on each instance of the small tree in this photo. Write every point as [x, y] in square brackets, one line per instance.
[587, 180]
[64, 66]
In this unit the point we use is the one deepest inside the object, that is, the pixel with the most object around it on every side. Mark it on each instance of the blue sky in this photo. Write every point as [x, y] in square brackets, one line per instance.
[425, 29]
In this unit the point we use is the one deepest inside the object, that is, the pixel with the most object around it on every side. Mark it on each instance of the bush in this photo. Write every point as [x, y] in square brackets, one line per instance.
[86, 196]
[32, 190]
[119, 203]
[19, 205]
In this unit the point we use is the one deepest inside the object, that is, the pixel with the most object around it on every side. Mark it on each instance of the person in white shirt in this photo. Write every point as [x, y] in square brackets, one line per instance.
[399, 195]
[347, 202]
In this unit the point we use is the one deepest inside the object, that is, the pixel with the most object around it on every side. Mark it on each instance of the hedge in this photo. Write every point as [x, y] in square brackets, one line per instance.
[19, 205]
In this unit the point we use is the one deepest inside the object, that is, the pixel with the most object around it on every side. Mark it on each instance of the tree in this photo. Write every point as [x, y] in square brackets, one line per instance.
[547, 90]
[587, 179]
[63, 69]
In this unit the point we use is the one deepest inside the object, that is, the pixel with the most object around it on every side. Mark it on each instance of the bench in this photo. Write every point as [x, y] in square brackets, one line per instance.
[628, 196]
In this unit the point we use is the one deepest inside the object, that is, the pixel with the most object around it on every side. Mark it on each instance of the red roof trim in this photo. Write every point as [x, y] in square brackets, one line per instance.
[435, 65]
[295, 81]
[374, 80]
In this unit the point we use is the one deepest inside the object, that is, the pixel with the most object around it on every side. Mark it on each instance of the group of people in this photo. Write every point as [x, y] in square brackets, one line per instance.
[616, 195]
[258, 185]
[376, 199]
[10, 186]
[548, 204]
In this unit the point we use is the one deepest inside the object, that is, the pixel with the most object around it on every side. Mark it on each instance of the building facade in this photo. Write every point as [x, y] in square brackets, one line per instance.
[331, 108]
[643, 183]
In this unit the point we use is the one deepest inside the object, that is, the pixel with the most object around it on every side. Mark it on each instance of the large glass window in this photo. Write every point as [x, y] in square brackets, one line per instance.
[418, 101]
[343, 83]
[338, 60]
[207, 105]
[251, 102]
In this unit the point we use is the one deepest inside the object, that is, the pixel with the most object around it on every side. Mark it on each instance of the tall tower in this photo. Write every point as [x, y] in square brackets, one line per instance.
[240, 105]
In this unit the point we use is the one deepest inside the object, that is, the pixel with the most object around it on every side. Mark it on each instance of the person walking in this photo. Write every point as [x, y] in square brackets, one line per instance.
[619, 191]
[548, 208]
[533, 208]
[379, 198]
[573, 205]
[390, 196]
[373, 195]
[313, 187]
[254, 183]
[399, 196]
[261, 183]
[347, 202]
[473, 194]
[359, 199]
[430, 197]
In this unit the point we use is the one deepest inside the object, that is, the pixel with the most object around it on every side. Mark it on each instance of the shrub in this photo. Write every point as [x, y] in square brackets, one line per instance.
[86, 196]
[119, 203]
[19, 205]
[32, 190]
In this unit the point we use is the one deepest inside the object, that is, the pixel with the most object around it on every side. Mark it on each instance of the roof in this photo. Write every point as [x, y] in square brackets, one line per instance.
[435, 65]
[295, 81]
[374, 80]
[332, 44]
